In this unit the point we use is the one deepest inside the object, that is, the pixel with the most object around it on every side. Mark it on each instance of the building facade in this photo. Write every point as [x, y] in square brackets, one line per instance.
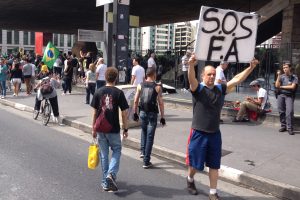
[155, 38]
[184, 36]
[11, 41]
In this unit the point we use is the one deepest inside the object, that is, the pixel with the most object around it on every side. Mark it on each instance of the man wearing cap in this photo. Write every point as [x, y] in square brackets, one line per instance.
[253, 104]
[220, 77]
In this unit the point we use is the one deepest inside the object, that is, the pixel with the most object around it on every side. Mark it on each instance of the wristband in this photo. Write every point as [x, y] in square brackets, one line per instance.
[125, 129]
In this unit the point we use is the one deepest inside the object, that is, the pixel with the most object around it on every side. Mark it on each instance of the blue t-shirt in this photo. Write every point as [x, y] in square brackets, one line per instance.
[3, 72]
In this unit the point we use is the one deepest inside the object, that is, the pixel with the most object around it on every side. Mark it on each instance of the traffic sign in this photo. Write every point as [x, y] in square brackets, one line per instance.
[91, 35]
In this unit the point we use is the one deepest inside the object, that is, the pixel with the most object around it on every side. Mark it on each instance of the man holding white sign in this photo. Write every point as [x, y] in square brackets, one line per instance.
[226, 35]
[204, 142]
[221, 34]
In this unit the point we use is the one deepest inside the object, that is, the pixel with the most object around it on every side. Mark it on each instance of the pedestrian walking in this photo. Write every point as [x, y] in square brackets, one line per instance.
[148, 98]
[287, 84]
[108, 99]
[27, 73]
[68, 75]
[138, 72]
[90, 82]
[204, 142]
[184, 68]
[100, 73]
[3, 77]
[220, 78]
[16, 78]
[151, 61]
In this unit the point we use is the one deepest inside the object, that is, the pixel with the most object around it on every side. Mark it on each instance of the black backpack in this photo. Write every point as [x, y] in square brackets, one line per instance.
[148, 98]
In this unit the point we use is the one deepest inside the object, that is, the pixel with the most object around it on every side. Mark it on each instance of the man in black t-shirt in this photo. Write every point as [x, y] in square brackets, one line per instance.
[109, 99]
[205, 143]
[148, 98]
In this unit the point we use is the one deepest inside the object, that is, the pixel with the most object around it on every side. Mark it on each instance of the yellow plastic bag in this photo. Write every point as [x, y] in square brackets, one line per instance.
[93, 157]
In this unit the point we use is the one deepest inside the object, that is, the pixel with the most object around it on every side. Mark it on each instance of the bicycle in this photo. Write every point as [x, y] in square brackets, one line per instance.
[45, 112]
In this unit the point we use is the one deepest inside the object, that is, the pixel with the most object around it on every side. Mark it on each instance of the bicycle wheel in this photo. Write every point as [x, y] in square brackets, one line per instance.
[46, 113]
[35, 114]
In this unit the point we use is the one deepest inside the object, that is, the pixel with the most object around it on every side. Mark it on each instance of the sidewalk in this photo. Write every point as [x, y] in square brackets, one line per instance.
[254, 155]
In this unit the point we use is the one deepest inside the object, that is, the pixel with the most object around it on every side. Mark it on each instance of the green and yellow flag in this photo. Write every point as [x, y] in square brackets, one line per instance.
[50, 55]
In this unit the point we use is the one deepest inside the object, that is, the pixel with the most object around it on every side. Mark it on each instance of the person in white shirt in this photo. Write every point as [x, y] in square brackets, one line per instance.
[220, 77]
[185, 66]
[138, 72]
[32, 81]
[151, 61]
[253, 104]
[100, 73]
[58, 66]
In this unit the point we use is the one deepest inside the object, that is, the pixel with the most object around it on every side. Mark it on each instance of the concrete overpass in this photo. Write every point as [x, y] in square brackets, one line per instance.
[66, 16]
[57, 16]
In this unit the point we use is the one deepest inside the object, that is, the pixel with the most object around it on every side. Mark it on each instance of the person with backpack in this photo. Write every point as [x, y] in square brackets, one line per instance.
[287, 85]
[148, 98]
[205, 142]
[106, 103]
[47, 89]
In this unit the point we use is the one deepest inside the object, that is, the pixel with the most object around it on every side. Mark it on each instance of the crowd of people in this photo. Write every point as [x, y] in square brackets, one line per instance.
[204, 143]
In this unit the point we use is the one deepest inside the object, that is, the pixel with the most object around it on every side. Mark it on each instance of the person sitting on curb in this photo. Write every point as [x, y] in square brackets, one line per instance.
[253, 104]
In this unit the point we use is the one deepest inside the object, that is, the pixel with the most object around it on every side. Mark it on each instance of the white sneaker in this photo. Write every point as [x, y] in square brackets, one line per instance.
[58, 120]
[53, 118]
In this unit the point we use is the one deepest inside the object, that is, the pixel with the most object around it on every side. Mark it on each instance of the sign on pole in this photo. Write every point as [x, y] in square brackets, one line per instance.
[124, 2]
[91, 36]
[225, 35]
[103, 2]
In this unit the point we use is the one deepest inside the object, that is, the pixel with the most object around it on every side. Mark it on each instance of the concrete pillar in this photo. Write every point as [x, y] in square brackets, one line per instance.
[108, 28]
[290, 41]
[4, 42]
[291, 23]
[21, 39]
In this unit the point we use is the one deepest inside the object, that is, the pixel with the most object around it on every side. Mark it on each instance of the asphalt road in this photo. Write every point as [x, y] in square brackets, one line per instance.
[45, 163]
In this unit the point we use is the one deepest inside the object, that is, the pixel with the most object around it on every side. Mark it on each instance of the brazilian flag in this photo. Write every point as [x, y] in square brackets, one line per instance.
[50, 55]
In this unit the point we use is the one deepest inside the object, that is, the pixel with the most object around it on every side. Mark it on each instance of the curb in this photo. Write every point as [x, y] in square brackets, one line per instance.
[237, 177]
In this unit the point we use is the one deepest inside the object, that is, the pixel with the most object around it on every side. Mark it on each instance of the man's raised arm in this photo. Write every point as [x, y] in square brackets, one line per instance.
[237, 79]
[191, 73]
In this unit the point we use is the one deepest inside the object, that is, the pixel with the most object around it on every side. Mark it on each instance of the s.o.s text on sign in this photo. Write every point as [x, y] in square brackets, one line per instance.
[225, 35]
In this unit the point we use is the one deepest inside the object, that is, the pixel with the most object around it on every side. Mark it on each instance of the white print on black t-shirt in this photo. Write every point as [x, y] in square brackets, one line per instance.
[107, 102]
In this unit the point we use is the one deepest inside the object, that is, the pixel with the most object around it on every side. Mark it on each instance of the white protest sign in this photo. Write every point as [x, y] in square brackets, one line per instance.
[225, 35]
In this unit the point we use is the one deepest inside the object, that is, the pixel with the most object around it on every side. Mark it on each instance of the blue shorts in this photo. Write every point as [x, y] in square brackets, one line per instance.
[204, 148]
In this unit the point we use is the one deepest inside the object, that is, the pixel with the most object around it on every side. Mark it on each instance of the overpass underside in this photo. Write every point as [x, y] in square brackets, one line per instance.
[67, 16]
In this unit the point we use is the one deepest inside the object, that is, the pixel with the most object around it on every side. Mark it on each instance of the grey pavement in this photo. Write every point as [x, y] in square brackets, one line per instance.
[254, 154]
